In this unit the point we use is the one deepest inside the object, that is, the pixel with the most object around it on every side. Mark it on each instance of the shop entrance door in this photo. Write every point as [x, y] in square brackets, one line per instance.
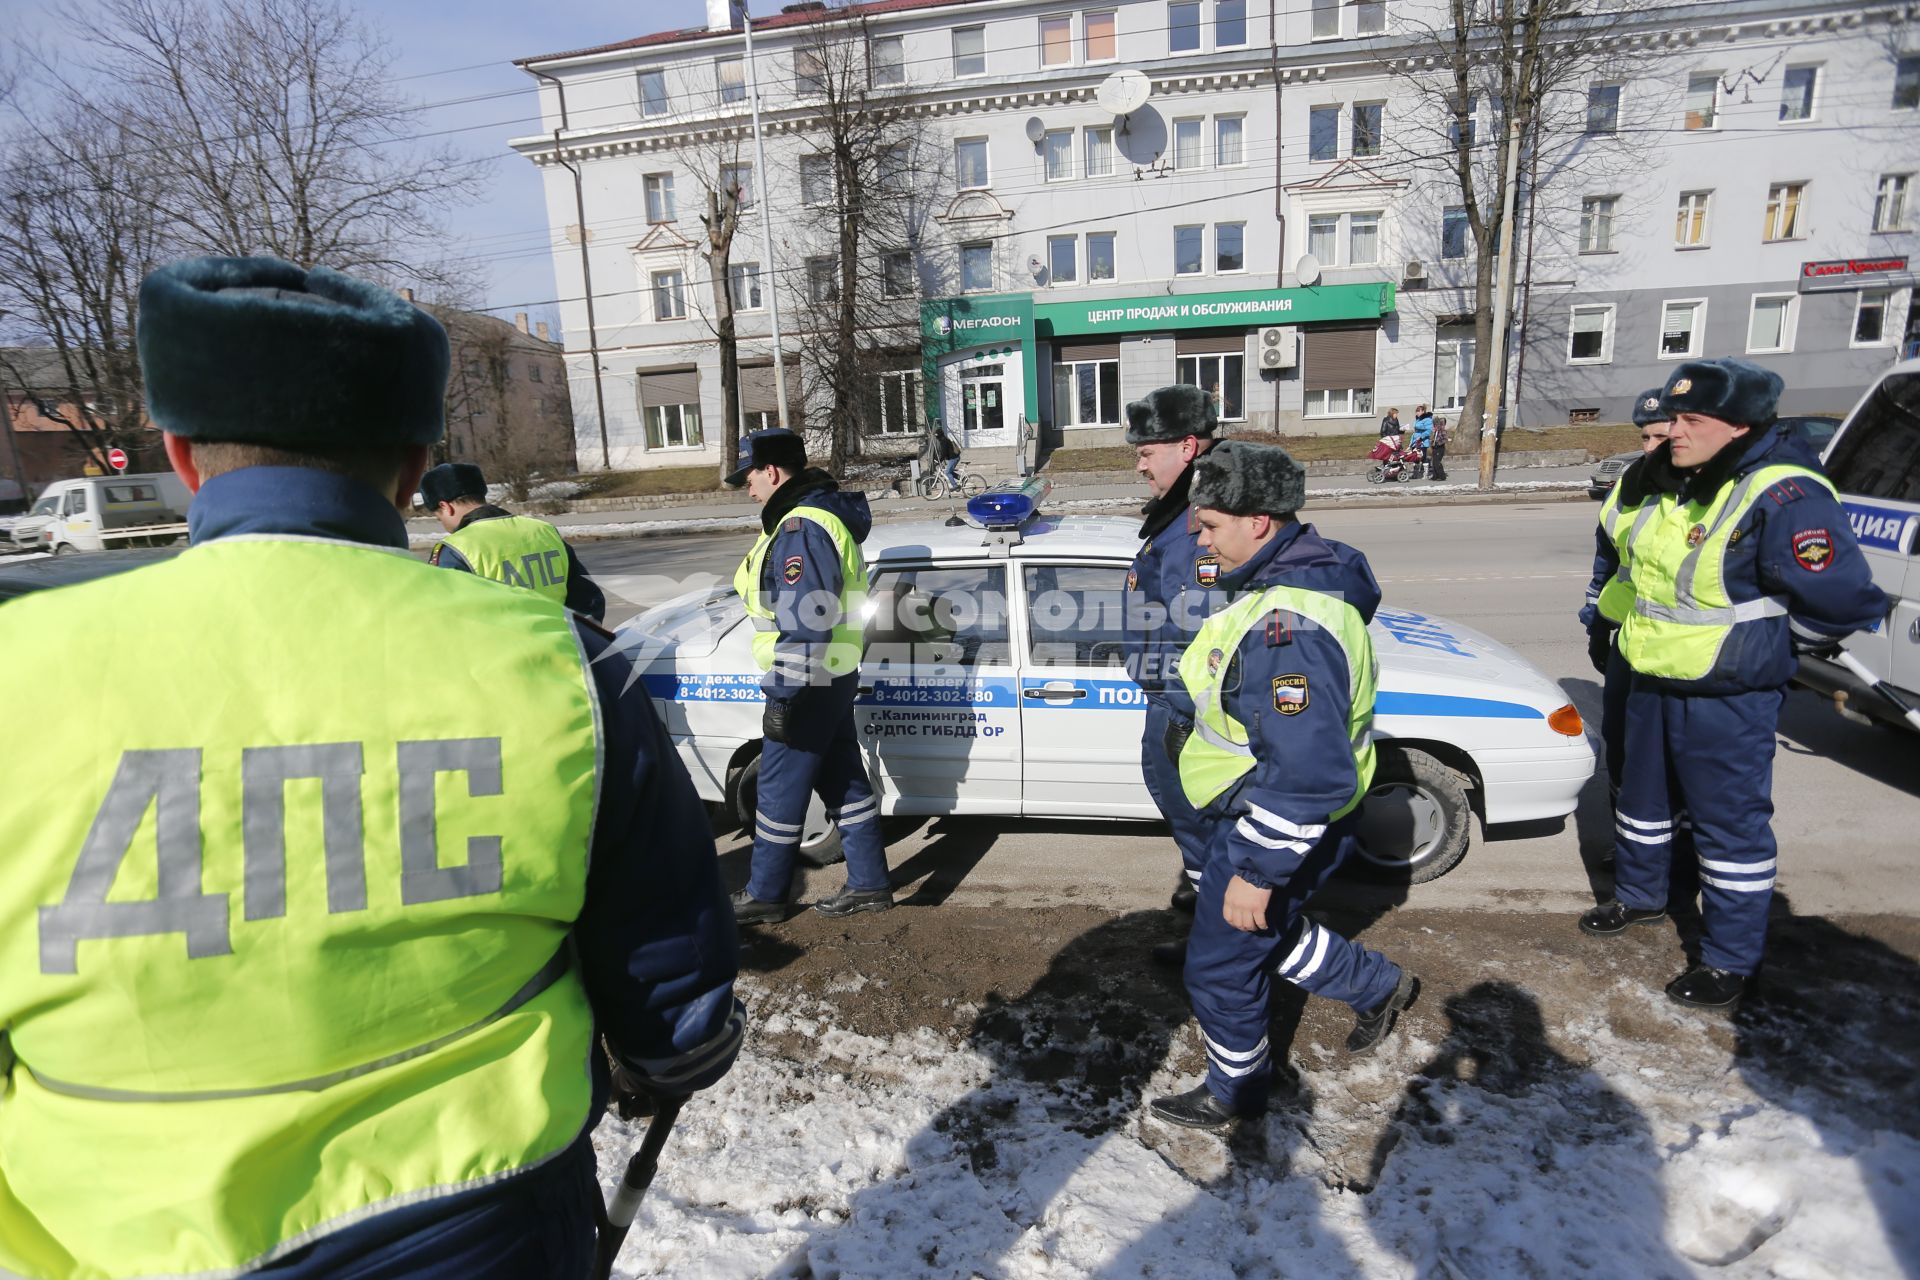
[983, 399]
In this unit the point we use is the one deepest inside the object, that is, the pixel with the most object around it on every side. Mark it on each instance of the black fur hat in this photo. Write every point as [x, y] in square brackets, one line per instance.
[1646, 408]
[259, 350]
[1735, 391]
[1245, 479]
[1171, 413]
[451, 481]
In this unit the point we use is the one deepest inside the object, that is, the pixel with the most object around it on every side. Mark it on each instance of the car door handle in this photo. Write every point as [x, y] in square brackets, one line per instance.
[1053, 693]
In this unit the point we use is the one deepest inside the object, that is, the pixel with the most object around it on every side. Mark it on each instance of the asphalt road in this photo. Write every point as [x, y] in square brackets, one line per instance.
[1847, 796]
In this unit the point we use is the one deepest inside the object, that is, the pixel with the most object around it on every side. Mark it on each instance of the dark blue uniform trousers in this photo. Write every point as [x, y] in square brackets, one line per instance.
[1229, 973]
[1706, 761]
[1613, 717]
[1163, 784]
[825, 758]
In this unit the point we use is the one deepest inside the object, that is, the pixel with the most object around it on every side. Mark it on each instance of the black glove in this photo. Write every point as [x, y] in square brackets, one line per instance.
[777, 721]
[1811, 644]
[634, 1096]
[1175, 739]
[1600, 645]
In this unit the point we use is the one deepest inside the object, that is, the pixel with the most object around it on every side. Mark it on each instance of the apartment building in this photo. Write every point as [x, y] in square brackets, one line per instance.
[1250, 197]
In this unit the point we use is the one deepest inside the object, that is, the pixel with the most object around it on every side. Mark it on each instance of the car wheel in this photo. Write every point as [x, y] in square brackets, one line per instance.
[1414, 823]
[819, 838]
[62, 549]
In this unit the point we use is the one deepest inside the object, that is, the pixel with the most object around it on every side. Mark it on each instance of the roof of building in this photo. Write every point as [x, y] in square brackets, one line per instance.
[790, 16]
[38, 367]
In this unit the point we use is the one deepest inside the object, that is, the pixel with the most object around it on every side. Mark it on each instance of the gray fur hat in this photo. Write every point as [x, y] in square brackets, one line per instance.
[1246, 479]
[1646, 408]
[1735, 391]
[1171, 413]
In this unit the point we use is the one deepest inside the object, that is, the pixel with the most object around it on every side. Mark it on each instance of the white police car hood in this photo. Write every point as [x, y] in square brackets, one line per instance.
[1431, 665]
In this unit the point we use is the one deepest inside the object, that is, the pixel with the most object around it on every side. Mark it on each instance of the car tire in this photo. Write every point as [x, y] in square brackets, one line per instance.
[819, 838]
[1416, 819]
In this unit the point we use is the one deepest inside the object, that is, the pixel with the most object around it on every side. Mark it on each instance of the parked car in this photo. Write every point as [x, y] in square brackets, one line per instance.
[1874, 462]
[1816, 429]
[1014, 700]
[97, 513]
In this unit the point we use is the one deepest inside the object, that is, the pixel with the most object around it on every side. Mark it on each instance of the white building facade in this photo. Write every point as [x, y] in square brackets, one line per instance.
[1269, 222]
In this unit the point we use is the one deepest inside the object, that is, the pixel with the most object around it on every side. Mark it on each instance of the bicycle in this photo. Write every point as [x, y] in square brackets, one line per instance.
[934, 484]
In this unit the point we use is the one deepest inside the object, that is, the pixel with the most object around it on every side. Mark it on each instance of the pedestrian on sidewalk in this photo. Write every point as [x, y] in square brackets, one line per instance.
[1282, 683]
[1438, 470]
[802, 582]
[492, 542]
[1390, 428]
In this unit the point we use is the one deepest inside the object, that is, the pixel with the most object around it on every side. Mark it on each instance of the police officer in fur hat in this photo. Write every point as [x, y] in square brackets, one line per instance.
[1282, 686]
[494, 543]
[1170, 592]
[351, 1026]
[1746, 554]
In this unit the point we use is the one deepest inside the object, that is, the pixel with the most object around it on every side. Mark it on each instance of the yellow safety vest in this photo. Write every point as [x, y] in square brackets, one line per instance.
[1219, 752]
[284, 922]
[516, 550]
[844, 645]
[1622, 524]
[1682, 610]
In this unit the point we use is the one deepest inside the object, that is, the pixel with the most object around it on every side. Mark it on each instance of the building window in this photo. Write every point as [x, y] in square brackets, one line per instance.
[1229, 247]
[1590, 335]
[1223, 377]
[1326, 19]
[1323, 133]
[1341, 402]
[1796, 93]
[1100, 264]
[1188, 253]
[1187, 150]
[1086, 393]
[1890, 202]
[1063, 259]
[1323, 237]
[816, 178]
[743, 285]
[1099, 42]
[896, 275]
[1056, 41]
[1363, 239]
[1464, 123]
[1770, 323]
[1703, 100]
[730, 75]
[736, 183]
[900, 403]
[823, 280]
[1229, 140]
[1603, 108]
[674, 426]
[969, 51]
[1183, 27]
[809, 72]
[1870, 318]
[659, 189]
[887, 56]
[653, 93]
[1229, 23]
[1596, 223]
[976, 268]
[1454, 232]
[1680, 328]
[1785, 201]
[970, 163]
[1906, 83]
[1057, 148]
[1452, 366]
[1690, 220]
[1100, 152]
[1367, 126]
[1372, 15]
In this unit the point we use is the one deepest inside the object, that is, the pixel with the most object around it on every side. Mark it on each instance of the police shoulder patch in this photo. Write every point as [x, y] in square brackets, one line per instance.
[1786, 491]
[1291, 694]
[792, 525]
[1206, 570]
[1133, 579]
[1278, 628]
[1813, 549]
[791, 570]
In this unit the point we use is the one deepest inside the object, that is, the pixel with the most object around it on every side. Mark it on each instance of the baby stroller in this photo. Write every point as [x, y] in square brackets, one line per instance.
[1399, 465]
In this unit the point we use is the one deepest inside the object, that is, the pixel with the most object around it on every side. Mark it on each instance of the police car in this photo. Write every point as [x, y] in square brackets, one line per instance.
[993, 684]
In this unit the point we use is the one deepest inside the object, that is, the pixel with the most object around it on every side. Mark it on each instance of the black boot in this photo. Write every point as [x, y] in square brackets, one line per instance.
[1371, 1027]
[1704, 987]
[1611, 917]
[1171, 954]
[1195, 1109]
[850, 901]
[748, 909]
[1185, 896]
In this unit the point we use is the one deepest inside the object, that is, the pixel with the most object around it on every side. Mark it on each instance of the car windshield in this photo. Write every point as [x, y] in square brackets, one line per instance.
[46, 506]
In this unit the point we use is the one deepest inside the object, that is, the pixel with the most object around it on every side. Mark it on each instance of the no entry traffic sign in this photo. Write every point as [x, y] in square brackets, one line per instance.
[117, 459]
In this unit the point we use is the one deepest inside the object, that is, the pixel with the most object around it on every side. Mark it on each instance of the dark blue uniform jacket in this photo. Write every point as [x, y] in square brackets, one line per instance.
[801, 576]
[583, 594]
[1288, 683]
[1171, 592]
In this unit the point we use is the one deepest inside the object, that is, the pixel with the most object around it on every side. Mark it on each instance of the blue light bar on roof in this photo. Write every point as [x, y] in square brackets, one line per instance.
[1009, 506]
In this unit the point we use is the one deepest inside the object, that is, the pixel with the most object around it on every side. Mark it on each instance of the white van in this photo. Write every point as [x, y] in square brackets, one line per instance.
[1874, 461]
[101, 512]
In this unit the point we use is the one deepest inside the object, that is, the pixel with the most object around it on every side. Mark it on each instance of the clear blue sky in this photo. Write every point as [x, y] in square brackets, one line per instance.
[508, 226]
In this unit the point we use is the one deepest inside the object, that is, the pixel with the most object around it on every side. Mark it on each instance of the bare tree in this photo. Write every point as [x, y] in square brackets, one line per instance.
[720, 163]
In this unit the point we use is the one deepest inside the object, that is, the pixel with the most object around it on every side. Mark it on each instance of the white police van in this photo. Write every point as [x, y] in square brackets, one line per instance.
[1874, 463]
[1005, 695]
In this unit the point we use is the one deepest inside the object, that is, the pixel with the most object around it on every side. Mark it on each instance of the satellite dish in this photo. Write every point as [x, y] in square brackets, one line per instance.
[1123, 92]
[1307, 270]
[1036, 129]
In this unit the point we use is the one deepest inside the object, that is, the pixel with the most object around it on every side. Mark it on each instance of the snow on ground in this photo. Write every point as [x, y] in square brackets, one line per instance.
[1506, 1149]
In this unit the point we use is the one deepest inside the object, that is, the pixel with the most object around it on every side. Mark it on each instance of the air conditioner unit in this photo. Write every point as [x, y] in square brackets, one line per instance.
[1416, 272]
[1277, 346]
